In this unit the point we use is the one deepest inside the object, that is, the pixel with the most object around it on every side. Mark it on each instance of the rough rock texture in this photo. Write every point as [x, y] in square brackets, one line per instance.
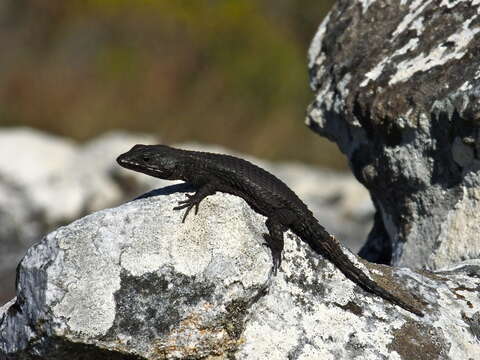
[133, 282]
[397, 88]
[47, 181]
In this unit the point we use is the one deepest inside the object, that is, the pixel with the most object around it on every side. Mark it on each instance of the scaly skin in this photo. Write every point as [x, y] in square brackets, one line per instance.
[265, 194]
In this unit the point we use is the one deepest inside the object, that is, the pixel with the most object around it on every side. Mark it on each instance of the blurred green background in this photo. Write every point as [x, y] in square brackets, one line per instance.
[228, 72]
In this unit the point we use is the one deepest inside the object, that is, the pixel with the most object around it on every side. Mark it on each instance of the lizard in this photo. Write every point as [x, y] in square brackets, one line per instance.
[263, 192]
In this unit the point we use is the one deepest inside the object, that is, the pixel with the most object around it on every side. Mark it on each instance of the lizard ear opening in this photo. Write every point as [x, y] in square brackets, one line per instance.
[169, 164]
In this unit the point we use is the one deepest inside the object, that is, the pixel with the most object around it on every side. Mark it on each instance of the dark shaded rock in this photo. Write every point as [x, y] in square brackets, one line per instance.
[397, 88]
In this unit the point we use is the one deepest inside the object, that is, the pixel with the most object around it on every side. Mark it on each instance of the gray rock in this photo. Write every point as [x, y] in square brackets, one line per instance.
[47, 181]
[397, 86]
[28, 164]
[133, 282]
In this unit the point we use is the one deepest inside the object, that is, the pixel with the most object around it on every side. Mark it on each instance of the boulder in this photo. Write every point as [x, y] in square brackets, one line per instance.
[134, 282]
[397, 88]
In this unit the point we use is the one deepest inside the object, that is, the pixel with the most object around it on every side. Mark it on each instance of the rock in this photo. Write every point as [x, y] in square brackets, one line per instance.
[133, 282]
[47, 181]
[26, 166]
[397, 86]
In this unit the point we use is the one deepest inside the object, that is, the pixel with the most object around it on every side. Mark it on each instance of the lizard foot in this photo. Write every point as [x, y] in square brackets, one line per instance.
[276, 253]
[189, 203]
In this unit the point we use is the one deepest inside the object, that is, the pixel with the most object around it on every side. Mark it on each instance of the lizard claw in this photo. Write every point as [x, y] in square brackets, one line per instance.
[276, 255]
[266, 237]
[276, 264]
[188, 204]
[185, 201]
[194, 200]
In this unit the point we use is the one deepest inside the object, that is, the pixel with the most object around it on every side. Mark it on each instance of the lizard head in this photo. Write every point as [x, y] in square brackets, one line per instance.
[154, 160]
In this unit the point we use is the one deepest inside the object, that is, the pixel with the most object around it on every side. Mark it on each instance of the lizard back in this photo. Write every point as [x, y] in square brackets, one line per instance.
[249, 178]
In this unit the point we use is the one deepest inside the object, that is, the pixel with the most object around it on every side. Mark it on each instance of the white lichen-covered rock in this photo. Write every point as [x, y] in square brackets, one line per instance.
[134, 282]
[397, 88]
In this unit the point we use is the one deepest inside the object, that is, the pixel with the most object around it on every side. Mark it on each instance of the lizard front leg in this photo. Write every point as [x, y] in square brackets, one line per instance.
[195, 199]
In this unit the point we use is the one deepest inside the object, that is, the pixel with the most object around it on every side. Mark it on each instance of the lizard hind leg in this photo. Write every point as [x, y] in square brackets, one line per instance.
[194, 200]
[274, 240]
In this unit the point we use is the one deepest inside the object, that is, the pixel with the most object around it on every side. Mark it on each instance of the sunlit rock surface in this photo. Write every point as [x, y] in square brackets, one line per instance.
[397, 88]
[133, 282]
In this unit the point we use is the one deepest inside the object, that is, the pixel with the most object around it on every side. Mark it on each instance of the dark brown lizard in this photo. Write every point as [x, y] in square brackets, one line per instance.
[265, 194]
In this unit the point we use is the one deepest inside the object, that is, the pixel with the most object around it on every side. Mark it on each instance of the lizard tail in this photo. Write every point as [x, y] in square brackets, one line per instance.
[326, 245]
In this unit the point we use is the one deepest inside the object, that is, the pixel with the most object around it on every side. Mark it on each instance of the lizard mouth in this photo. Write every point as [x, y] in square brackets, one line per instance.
[144, 168]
